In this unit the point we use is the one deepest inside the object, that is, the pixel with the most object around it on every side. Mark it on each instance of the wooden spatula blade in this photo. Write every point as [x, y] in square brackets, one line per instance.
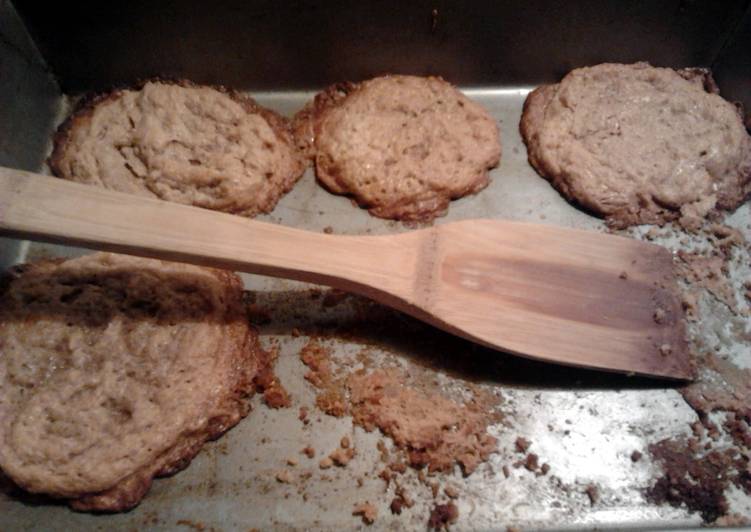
[574, 297]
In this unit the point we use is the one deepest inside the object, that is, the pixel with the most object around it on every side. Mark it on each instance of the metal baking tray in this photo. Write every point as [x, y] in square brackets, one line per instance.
[584, 424]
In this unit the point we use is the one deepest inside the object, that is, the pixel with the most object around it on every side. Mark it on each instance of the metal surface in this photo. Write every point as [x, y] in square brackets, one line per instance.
[584, 424]
[267, 44]
[30, 105]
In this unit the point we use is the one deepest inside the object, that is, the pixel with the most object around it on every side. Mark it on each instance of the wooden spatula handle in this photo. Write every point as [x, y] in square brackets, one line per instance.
[60, 211]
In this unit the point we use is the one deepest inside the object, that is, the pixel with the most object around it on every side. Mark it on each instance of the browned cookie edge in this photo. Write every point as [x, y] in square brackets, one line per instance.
[306, 120]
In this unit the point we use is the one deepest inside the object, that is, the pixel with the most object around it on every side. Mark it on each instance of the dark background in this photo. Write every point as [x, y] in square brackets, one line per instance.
[267, 44]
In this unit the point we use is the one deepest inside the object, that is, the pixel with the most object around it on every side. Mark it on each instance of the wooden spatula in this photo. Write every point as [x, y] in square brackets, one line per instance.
[548, 293]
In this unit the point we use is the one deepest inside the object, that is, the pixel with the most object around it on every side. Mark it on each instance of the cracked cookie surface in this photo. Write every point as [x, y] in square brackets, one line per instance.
[401, 146]
[116, 370]
[639, 144]
[197, 145]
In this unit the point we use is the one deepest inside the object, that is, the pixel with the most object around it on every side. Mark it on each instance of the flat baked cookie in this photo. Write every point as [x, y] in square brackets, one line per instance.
[402, 146]
[115, 370]
[639, 144]
[204, 146]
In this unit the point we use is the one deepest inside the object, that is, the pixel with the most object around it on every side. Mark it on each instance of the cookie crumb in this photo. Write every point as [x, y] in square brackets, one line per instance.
[665, 350]
[309, 451]
[451, 492]
[443, 515]
[401, 491]
[659, 315]
[593, 492]
[623, 276]
[726, 237]
[342, 457]
[274, 394]
[531, 462]
[381, 446]
[522, 444]
[398, 467]
[292, 461]
[328, 229]
[367, 511]
[284, 476]
[636, 456]
[344, 443]
[331, 402]
[396, 505]
[325, 463]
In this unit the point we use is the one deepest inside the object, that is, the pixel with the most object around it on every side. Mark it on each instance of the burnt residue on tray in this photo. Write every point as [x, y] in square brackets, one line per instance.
[698, 480]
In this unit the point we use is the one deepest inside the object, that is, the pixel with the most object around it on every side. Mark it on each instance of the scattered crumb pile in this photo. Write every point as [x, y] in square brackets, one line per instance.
[435, 431]
[330, 398]
[697, 471]
[707, 272]
[723, 387]
[531, 461]
[266, 382]
[343, 454]
[430, 432]
[338, 457]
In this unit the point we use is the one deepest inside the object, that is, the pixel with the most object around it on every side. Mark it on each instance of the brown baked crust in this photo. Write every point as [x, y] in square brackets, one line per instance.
[82, 111]
[306, 122]
[700, 75]
[533, 113]
[245, 358]
[531, 123]
[281, 126]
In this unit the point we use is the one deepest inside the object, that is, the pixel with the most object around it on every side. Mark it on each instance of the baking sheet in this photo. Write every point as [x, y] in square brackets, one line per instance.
[585, 425]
